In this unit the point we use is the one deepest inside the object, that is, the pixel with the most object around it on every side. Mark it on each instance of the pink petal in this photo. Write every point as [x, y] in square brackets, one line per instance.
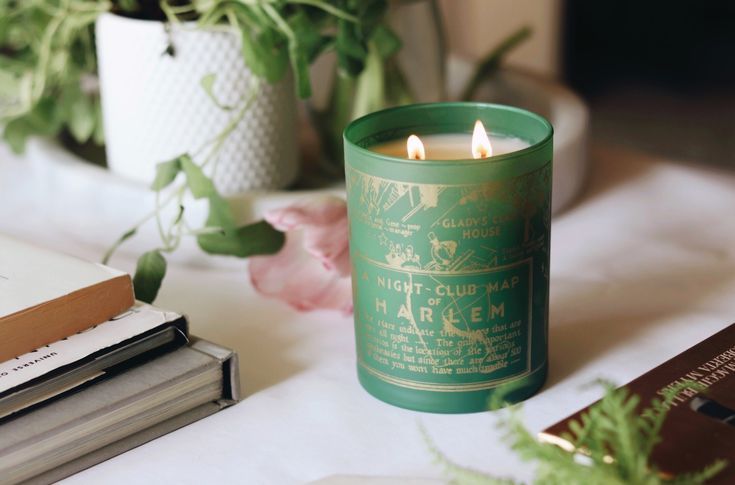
[323, 221]
[307, 280]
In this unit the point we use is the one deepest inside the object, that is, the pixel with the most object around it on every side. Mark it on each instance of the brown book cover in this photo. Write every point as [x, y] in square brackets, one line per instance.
[46, 296]
[700, 427]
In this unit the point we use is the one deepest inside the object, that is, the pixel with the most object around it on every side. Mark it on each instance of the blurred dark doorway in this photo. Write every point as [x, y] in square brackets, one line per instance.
[659, 75]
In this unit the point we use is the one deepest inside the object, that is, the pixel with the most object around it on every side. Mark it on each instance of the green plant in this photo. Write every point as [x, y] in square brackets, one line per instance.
[47, 86]
[48, 64]
[274, 35]
[47, 67]
[221, 234]
[491, 62]
[615, 437]
[382, 83]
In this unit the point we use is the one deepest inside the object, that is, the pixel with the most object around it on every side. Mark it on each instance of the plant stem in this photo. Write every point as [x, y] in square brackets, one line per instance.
[171, 242]
[39, 78]
[179, 192]
[442, 41]
[329, 9]
[280, 22]
[491, 62]
[220, 139]
[159, 223]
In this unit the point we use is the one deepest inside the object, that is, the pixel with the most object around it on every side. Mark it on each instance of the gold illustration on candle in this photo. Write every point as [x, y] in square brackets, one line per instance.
[415, 148]
[481, 147]
[450, 253]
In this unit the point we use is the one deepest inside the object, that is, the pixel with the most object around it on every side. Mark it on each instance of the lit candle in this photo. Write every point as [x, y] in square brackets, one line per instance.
[449, 214]
[453, 146]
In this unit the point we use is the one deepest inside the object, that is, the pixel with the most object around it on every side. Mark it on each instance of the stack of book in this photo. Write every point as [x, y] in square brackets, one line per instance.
[87, 373]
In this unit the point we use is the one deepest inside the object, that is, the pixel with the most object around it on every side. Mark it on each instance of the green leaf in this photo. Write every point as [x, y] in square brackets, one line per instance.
[351, 51]
[16, 133]
[459, 473]
[149, 274]
[82, 117]
[46, 117]
[252, 55]
[612, 434]
[371, 13]
[311, 42]
[128, 5]
[370, 90]
[166, 172]
[245, 241]
[265, 53]
[386, 41]
[275, 55]
[220, 214]
[199, 184]
[258, 238]
[300, 66]
[9, 84]
[43, 120]
[349, 41]
[207, 83]
[308, 43]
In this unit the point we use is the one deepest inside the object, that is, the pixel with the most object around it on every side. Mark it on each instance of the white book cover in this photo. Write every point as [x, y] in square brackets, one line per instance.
[31, 276]
[37, 363]
[46, 296]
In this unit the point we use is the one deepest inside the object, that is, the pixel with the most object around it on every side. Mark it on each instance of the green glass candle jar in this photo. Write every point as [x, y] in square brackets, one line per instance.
[450, 256]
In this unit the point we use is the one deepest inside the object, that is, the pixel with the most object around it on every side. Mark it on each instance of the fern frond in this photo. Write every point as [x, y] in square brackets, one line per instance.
[461, 475]
[654, 415]
[702, 476]
[615, 439]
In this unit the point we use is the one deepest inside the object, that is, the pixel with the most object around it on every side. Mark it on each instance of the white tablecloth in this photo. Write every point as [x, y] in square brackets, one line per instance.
[643, 266]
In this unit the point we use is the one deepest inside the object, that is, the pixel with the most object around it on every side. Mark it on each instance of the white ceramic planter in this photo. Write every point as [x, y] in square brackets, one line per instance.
[154, 107]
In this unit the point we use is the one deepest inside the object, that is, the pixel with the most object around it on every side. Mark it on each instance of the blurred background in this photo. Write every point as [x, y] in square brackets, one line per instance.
[658, 75]
[125, 85]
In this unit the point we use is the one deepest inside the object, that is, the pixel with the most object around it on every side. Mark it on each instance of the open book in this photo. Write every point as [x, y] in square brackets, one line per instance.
[700, 426]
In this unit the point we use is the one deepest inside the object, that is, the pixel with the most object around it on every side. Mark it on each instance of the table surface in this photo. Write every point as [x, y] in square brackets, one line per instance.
[642, 267]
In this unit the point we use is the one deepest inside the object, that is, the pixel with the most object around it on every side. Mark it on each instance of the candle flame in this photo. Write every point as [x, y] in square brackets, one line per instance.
[481, 147]
[415, 148]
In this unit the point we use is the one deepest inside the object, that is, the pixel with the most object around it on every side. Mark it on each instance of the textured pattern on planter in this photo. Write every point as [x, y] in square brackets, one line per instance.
[154, 107]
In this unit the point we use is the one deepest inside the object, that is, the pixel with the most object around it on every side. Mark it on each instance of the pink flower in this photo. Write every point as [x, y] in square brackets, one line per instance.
[312, 270]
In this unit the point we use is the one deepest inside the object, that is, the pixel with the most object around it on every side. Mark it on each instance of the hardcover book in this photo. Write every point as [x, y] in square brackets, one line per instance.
[46, 296]
[117, 414]
[94, 354]
[700, 426]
